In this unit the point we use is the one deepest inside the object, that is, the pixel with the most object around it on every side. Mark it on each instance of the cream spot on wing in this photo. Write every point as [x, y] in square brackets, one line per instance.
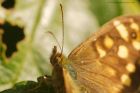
[101, 52]
[134, 26]
[122, 51]
[130, 67]
[121, 29]
[82, 62]
[111, 71]
[125, 79]
[116, 88]
[136, 45]
[108, 42]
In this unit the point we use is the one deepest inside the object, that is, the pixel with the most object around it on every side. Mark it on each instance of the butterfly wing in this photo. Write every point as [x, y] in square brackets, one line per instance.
[70, 85]
[106, 62]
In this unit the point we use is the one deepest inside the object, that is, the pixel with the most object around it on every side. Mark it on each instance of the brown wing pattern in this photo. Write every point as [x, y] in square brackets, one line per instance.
[108, 61]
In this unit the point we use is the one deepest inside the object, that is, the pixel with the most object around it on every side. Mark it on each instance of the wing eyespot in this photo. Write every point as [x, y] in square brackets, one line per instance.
[133, 35]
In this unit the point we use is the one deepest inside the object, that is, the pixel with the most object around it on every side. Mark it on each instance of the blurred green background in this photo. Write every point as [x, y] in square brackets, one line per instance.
[36, 17]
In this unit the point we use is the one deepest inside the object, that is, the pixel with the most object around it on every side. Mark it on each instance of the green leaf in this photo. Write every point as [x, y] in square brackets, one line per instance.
[105, 10]
[30, 87]
[21, 87]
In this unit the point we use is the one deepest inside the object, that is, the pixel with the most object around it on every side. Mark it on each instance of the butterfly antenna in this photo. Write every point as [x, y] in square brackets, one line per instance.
[62, 17]
[49, 32]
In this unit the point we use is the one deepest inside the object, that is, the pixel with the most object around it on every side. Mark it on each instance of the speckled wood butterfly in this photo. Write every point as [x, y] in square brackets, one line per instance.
[107, 62]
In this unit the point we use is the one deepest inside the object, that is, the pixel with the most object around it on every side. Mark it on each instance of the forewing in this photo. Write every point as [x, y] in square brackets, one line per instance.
[107, 61]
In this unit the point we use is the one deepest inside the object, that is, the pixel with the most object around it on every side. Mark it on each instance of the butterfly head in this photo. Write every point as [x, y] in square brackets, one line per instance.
[56, 57]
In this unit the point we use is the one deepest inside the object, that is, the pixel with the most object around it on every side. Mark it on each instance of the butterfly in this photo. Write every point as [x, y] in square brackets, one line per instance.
[107, 62]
